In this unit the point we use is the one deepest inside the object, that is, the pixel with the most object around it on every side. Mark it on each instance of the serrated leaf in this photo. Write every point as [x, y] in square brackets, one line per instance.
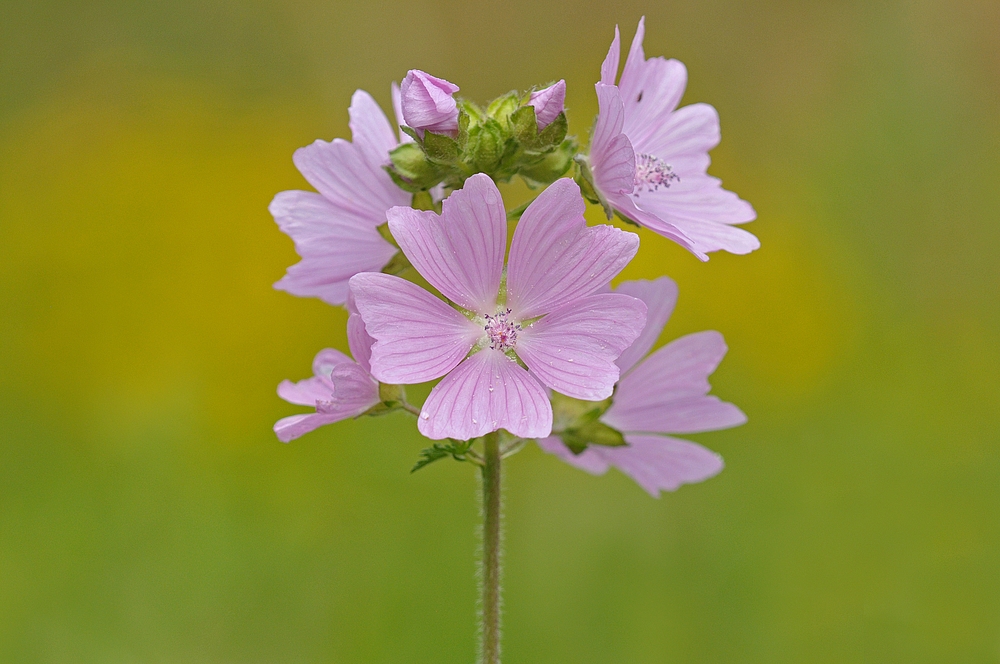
[456, 449]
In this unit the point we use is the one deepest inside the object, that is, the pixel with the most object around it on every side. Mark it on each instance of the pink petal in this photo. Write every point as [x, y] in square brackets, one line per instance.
[612, 159]
[659, 463]
[290, 428]
[345, 175]
[318, 388]
[354, 391]
[427, 102]
[398, 109]
[486, 392]
[573, 350]
[370, 129]
[358, 339]
[683, 138]
[417, 336]
[636, 59]
[306, 392]
[626, 205]
[335, 244]
[555, 258]
[609, 68]
[659, 296]
[649, 96]
[665, 393]
[587, 460]
[461, 251]
[548, 103]
[656, 463]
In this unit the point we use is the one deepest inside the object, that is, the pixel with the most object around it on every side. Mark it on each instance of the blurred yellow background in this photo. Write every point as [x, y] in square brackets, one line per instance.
[148, 514]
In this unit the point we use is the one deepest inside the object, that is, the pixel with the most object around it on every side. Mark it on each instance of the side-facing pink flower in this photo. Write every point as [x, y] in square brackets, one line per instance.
[548, 103]
[340, 387]
[335, 230]
[427, 103]
[665, 393]
[649, 159]
[549, 316]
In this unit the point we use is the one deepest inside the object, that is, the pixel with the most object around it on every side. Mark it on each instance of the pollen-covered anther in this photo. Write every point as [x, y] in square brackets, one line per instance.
[651, 173]
[501, 331]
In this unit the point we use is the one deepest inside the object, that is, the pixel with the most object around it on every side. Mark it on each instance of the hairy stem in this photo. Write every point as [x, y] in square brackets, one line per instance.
[490, 590]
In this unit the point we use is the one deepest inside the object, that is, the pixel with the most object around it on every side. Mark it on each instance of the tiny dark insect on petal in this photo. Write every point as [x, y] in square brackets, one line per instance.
[639, 98]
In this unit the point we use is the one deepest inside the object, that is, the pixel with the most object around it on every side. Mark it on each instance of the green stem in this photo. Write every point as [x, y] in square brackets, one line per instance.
[490, 589]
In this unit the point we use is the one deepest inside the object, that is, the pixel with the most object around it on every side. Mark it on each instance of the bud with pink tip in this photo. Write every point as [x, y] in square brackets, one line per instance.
[548, 103]
[428, 104]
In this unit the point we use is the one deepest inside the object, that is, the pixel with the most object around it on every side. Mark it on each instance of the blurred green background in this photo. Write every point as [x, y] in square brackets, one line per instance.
[148, 514]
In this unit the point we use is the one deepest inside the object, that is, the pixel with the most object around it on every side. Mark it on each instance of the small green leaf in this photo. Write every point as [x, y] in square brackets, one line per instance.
[455, 449]
[422, 201]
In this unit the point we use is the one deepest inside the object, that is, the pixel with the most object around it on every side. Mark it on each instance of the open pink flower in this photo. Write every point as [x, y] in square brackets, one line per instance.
[427, 103]
[550, 315]
[335, 230]
[649, 159]
[340, 387]
[665, 393]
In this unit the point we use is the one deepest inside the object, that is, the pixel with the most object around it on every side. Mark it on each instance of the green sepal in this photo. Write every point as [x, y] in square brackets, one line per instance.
[550, 167]
[391, 395]
[591, 433]
[422, 201]
[524, 126]
[411, 169]
[554, 133]
[456, 449]
[485, 147]
[585, 178]
[383, 230]
[397, 264]
[440, 149]
[568, 412]
[411, 132]
[501, 108]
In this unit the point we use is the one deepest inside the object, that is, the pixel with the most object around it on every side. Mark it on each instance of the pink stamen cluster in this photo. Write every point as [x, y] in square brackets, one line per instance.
[652, 173]
[502, 331]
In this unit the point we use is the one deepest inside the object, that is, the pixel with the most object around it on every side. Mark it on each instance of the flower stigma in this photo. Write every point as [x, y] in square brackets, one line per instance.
[501, 331]
[652, 173]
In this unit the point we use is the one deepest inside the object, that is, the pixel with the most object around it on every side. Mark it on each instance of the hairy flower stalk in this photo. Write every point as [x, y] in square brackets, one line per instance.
[492, 539]
[525, 336]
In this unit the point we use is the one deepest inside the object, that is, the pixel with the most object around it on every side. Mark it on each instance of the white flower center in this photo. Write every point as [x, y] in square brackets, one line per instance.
[651, 173]
[501, 331]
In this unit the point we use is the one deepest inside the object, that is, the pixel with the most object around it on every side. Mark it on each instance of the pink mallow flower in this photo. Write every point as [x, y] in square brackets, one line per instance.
[427, 103]
[549, 316]
[336, 230]
[340, 387]
[548, 103]
[649, 159]
[665, 393]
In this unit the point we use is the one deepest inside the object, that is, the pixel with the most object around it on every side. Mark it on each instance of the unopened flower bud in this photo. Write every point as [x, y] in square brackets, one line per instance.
[548, 103]
[427, 103]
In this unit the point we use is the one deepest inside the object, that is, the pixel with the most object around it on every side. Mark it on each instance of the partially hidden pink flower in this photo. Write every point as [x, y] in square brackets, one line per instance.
[548, 103]
[499, 348]
[427, 103]
[340, 387]
[667, 393]
[335, 230]
[649, 159]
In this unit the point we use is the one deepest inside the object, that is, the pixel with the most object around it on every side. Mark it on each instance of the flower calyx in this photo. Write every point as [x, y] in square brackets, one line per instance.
[578, 424]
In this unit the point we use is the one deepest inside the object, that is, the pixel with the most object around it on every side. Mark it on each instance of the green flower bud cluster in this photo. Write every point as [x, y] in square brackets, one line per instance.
[502, 141]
